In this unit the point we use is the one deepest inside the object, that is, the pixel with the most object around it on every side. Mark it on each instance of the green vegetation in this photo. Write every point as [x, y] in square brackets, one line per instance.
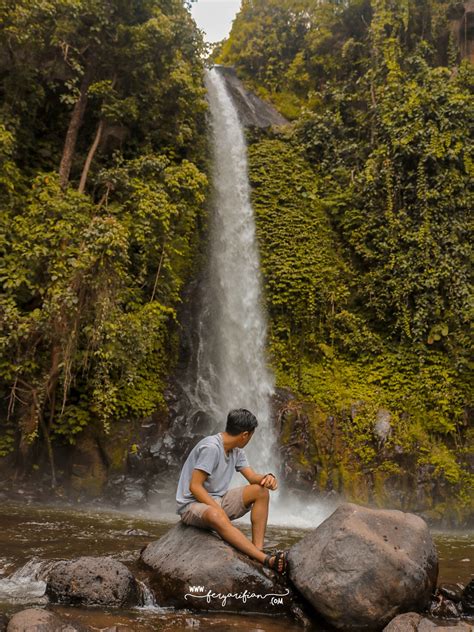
[362, 210]
[363, 219]
[101, 188]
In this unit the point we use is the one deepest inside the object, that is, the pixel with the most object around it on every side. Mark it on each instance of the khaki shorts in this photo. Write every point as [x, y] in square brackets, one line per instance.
[232, 503]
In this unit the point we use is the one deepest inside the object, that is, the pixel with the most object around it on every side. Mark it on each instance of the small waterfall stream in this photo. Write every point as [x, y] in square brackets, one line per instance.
[27, 584]
[231, 360]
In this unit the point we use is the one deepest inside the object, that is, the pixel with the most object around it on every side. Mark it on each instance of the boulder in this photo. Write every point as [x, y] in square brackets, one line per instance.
[195, 568]
[413, 622]
[443, 608]
[426, 625]
[33, 620]
[407, 622]
[88, 470]
[467, 598]
[92, 581]
[454, 592]
[361, 567]
[36, 620]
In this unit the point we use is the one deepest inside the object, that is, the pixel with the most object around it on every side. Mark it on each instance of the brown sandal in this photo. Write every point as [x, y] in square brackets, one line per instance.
[278, 557]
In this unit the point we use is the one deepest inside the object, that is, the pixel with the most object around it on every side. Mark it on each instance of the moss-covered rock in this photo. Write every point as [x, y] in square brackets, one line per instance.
[323, 457]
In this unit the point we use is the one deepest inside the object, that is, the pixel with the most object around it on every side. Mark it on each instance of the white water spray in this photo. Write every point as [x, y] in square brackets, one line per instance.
[231, 363]
[27, 584]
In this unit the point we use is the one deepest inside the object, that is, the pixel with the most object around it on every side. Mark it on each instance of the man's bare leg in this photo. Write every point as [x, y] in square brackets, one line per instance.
[260, 498]
[218, 520]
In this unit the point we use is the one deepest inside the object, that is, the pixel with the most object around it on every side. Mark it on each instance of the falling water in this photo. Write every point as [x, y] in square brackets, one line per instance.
[27, 584]
[231, 363]
[231, 368]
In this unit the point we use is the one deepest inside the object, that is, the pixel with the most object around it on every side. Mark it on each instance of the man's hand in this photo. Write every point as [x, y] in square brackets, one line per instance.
[266, 480]
[269, 481]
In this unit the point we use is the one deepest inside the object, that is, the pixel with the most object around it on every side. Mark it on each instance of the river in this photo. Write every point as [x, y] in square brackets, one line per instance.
[31, 534]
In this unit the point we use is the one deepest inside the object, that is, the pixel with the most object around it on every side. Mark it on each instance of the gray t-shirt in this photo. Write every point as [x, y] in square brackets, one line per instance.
[209, 455]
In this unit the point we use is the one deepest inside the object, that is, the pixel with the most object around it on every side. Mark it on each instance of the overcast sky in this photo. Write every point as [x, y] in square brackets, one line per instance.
[215, 17]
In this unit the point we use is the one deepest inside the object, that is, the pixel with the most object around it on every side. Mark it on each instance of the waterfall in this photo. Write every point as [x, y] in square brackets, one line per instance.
[231, 369]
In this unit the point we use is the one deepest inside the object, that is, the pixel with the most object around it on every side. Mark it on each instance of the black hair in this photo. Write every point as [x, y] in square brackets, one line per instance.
[240, 420]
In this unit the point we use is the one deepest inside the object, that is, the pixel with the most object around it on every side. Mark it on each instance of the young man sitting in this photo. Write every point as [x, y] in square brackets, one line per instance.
[203, 496]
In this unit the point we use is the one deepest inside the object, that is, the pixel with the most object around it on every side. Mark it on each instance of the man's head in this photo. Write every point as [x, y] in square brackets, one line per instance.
[241, 422]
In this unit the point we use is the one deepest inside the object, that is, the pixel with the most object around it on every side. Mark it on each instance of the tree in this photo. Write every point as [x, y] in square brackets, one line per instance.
[107, 96]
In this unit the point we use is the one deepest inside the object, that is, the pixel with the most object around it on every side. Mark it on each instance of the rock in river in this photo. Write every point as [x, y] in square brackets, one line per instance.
[361, 567]
[39, 620]
[92, 581]
[413, 622]
[195, 568]
[467, 598]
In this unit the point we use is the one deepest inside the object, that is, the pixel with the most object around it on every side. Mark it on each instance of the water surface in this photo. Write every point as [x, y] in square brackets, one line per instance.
[32, 534]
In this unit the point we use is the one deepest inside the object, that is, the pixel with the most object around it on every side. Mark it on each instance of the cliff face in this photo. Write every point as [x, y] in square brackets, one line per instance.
[253, 111]
[462, 29]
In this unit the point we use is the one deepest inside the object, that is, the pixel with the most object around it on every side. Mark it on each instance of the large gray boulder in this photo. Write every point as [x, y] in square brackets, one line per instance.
[100, 581]
[195, 568]
[362, 567]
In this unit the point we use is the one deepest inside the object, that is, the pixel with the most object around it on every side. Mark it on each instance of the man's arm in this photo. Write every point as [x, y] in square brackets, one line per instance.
[266, 480]
[198, 490]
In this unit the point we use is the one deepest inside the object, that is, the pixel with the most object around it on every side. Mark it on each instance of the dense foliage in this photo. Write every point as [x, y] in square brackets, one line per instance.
[363, 209]
[102, 184]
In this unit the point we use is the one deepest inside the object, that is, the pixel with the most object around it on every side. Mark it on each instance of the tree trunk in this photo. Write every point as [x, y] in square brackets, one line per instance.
[73, 131]
[158, 274]
[93, 149]
[90, 156]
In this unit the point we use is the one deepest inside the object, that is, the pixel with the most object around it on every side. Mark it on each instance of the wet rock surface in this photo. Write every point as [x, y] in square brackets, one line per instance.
[252, 110]
[407, 622]
[123, 490]
[3, 622]
[37, 620]
[426, 625]
[413, 622]
[467, 599]
[442, 607]
[361, 567]
[195, 568]
[92, 581]
[454, 592]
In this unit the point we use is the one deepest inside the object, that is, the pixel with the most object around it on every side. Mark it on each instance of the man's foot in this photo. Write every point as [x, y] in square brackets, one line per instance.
[277, 561]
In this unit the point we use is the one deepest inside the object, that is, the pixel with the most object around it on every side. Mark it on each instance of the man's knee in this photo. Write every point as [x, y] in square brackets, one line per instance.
[257, 491]
[216, 517]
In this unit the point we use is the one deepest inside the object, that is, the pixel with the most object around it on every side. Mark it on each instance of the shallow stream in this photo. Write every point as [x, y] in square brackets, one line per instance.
[31, 535]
